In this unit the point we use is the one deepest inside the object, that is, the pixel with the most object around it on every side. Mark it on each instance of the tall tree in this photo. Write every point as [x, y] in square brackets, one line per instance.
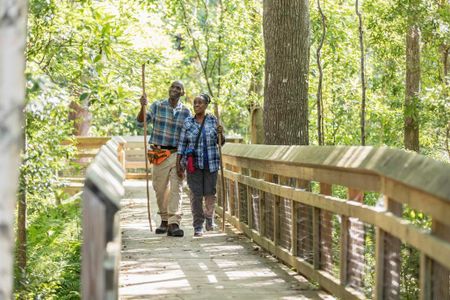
[362, 74]
[320, 127]
[21, 243]
[412, 88]
[287, 42]
[12, 93]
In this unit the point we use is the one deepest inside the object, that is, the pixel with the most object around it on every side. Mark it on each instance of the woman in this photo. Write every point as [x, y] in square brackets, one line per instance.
[199, 139]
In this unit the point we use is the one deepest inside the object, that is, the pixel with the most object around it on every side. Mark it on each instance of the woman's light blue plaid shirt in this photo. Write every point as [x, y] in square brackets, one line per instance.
[188, 137]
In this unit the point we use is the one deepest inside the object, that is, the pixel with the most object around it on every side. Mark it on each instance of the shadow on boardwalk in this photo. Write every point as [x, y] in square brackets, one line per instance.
[215, 266]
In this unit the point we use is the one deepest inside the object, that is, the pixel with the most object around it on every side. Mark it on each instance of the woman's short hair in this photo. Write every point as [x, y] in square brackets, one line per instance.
[205, 97]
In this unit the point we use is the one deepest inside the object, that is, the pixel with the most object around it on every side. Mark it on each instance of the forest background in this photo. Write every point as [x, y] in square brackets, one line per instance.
[83, 77]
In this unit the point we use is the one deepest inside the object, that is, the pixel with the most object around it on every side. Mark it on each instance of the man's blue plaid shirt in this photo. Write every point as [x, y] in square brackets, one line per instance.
[166, 122]
[187, 142]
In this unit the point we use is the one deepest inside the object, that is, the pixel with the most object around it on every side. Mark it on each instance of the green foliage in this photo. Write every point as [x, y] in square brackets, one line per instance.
[53, 270]
[91, 52]
[385, 24]
[44, 156]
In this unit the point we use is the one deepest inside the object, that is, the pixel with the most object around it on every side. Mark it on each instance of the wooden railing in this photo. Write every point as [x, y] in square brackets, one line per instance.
[102, 192]
[130, 153]
[339, 216]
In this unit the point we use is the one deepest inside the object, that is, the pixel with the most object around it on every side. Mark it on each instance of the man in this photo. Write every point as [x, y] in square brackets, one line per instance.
[167, 119]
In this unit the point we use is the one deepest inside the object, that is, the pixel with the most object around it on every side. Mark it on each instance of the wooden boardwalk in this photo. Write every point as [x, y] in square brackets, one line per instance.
[215, 266]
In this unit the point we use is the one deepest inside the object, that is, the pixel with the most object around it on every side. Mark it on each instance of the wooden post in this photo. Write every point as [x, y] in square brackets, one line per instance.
[12, 94]
[102, 193]
[316, 237]
[262, 212]
[355, 241]
[276, 214]
[434, 279]
[93, 279]
[121, 154]
[237, 205]
[343, 259]
[325, 232]
[304, 219]
[250, 204]
[387, 258]
[294, 232]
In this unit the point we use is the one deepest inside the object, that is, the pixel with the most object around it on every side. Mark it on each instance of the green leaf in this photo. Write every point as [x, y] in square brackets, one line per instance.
[84, 96]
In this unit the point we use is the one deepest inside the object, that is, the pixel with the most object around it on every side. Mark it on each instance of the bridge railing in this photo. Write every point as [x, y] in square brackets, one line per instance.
[102, 192]
[130, 154]
[362, 222]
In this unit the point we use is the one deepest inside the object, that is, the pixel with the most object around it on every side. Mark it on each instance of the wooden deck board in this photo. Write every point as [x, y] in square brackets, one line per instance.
[215, 266]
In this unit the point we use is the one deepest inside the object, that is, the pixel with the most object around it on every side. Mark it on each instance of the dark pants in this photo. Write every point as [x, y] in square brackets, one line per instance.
[202, 183]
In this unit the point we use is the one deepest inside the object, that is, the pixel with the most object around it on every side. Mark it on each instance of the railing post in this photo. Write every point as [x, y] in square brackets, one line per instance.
[276, 211]
[250, 204]
[387, 257]
[434, 278]
[325, 231]
[103, 190]
[304, 220]
[352, 262]
[294, 232]
[121, 152]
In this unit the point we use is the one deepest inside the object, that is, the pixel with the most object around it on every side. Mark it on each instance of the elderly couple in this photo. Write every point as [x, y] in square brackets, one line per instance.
[173, 128]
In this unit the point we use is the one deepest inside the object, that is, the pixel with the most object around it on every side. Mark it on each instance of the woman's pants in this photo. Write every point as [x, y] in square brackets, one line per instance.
[202, 183]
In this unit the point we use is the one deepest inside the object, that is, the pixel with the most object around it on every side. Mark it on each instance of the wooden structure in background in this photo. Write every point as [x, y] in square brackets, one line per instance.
[130, 151]
[272, 188]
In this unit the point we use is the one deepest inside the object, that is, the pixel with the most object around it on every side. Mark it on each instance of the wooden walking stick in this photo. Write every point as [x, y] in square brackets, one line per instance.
[222, 179]
[144, 107]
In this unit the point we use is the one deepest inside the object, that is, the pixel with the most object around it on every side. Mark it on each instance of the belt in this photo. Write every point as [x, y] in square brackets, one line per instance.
[165, 147]
[168, 147]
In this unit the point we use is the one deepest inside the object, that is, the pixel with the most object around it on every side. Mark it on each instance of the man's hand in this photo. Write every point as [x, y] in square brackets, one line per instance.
[144, 100]
[141, 113]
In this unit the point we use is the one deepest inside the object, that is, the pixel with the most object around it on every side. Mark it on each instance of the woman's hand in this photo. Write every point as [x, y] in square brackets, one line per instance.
[180, 171]
[220, 132]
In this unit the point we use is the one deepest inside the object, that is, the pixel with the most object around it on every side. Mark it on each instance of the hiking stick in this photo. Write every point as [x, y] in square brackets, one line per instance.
[144, 108]
[222, 179]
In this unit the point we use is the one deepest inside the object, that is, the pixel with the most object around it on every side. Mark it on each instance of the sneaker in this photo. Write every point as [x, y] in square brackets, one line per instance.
[162, 228]
[198, 231]
[174, 230]
[210, 225]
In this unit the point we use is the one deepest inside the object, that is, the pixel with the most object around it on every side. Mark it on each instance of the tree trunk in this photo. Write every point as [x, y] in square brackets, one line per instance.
[256, 130]
[287, 42]
[22, 234]
[12, 94]
[363, 77]
[320, 127]
[21, 247]
[412, 89]
[82, 119]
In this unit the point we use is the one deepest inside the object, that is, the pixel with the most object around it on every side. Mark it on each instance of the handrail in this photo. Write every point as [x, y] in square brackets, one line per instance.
[269, 186]
[103, 190]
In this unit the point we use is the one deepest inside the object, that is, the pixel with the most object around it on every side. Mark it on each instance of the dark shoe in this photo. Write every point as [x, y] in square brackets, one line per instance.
[174, 230]
[209, 225]
[162, 228]
[198, 231]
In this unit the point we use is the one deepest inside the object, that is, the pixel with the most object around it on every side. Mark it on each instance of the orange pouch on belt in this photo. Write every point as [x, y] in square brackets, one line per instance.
[157, 156]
